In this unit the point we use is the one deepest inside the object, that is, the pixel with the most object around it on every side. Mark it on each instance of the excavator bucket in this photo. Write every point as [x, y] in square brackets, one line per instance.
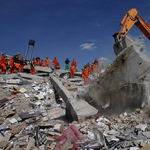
[121, 43]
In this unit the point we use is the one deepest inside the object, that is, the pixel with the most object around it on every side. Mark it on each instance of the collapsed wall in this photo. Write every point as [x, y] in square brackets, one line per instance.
[124, 85]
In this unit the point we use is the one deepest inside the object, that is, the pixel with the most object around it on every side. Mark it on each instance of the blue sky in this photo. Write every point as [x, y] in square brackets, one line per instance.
[80, 29]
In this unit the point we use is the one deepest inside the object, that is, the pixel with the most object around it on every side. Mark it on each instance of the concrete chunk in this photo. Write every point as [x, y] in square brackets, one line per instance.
[13, 81]
[29, 76]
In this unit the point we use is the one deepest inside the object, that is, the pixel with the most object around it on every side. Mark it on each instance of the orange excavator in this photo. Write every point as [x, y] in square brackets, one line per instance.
[131, 17]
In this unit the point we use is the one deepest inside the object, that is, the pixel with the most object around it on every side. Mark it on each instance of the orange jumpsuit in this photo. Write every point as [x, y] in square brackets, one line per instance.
[47, 62]
[21, 65]
[55, 62]
[37, 63]
[96, 62]
[97, 68]
[32, 67]
[41, 63]
[17, 65]
[11, 65]
[74, 63]
[3, 64]
[72, 69]
[92, 69]
[88, 69]
[85, 74]
[57, 67]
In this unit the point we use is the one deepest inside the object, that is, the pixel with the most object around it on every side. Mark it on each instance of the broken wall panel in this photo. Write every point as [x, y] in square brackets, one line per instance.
[122, 85]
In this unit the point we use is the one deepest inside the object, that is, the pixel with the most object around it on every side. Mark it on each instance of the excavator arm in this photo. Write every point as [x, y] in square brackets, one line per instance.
[131, 17]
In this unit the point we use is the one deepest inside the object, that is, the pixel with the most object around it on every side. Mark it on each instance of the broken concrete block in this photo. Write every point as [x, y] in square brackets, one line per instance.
[28, 76]
[16, 148]
[3, 144]
[117, 88]
[67, 145]
[59, 127]
[43, 69]
[72, 88]
[30, 144]
[56, 113]
[15, 130]
[9, 112]
[5, 140]
[14, 81]
[23, 125]
[45, 119]
[13, 120]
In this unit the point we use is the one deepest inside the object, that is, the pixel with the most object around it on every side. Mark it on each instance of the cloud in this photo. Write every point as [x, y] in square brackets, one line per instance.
[88, 46]
[103, 59]
[98, 24]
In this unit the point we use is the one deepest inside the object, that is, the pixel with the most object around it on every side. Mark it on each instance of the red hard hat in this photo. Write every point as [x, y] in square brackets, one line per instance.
[33, 57]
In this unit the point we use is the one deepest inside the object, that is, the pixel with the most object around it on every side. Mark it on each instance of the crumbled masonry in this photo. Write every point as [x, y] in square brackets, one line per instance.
[125, 84]
[33, 111]
[50, 110]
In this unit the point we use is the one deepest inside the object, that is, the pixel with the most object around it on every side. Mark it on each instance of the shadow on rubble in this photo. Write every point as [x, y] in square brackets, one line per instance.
[119, 100]
[68, 117]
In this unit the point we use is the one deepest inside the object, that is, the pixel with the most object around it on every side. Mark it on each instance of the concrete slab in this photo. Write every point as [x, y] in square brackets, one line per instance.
[39, 69]
[28, 76]
[13, 81]
[75, 79]
[79, 109]
[84, 109]
[43, 69]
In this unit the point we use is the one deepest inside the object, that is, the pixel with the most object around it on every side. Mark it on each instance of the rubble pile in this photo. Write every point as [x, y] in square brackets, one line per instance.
[32, 117]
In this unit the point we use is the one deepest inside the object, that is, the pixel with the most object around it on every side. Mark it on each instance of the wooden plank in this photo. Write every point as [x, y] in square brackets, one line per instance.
[31, 143]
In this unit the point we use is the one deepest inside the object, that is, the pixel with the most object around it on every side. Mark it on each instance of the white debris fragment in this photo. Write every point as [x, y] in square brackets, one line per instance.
[22, 90]
[13, 120]
[26, 95]
[141, 126]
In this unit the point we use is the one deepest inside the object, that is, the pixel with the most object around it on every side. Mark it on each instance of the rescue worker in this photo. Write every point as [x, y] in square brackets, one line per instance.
[33, 66]
[72, 70]
[3, 64]
[85, 74]
[16, 62]
[74, 63]
[97, 69]
[88, 69]
[41, 63]
[57, 66]
[55, 62]
[96, 62]
[37, 58]
[92, 69]
[22, 63]
[37, 63]
[47, 62]
[67, 64]
[11, 65]
[7, 65]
